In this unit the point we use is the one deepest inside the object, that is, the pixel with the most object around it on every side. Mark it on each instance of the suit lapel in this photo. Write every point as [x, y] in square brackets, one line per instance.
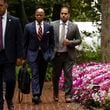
[34, 31]
[45, 27]
[57, 30]
[9, 20]
[69, 29]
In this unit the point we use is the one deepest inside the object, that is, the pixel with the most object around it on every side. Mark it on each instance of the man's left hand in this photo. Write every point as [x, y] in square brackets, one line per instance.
[66, 42]
[18, 62]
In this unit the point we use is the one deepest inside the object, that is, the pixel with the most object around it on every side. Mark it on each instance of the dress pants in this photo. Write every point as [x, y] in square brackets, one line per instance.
[7, 77]
[62, 62]
[38, 74]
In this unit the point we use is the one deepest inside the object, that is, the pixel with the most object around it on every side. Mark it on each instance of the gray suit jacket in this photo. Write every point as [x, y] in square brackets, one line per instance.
[72, 34]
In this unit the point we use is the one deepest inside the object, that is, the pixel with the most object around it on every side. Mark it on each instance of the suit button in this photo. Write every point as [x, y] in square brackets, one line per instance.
[39, 48]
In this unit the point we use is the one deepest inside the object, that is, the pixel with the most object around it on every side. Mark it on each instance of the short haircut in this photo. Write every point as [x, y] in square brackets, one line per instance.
[37, 7]
[5, 1]
[65, 6]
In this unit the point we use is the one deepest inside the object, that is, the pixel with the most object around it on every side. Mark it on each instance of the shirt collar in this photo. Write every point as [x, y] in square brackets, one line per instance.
[40, 23]
[5, 15]
[61, 22]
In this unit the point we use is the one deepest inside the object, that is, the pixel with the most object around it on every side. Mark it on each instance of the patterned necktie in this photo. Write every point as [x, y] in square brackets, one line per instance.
[40, 32]
[1, 34]
[62, 35]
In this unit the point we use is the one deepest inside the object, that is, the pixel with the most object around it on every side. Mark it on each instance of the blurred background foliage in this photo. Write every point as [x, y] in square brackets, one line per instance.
[81, 10]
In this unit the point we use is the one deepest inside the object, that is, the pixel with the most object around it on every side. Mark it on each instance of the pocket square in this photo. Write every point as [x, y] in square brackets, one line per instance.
[9, 20]
[48, 32]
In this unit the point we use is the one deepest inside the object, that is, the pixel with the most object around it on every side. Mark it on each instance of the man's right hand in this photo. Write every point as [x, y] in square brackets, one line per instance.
[24, 61]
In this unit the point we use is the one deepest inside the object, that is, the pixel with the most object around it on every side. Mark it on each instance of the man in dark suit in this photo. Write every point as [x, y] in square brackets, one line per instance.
[10, 52]
[67, 36]
[38, 50]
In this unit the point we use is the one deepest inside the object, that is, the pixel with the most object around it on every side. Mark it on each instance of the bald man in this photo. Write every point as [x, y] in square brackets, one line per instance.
[38, 50]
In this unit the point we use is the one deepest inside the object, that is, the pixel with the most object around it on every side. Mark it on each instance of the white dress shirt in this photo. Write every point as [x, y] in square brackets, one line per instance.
[4, 21]
[63, 48]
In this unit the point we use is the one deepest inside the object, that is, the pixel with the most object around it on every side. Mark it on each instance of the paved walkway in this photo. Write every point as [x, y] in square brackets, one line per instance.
[47, 101]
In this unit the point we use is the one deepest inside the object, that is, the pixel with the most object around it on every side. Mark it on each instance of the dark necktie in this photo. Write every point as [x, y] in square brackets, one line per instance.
[40, 32]
[1, 34]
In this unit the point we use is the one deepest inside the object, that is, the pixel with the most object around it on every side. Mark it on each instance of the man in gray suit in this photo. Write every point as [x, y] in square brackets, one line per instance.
[66, 36]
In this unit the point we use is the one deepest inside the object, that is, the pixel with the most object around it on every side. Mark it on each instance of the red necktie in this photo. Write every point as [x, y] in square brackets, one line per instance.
[40, 33]
[1, 34]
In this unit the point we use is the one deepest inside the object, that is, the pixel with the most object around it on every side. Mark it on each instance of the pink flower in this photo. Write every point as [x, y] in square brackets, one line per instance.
[84, 76]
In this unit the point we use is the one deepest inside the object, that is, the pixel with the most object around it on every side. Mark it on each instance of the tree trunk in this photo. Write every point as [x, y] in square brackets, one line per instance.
[105, 32]
[22, 13]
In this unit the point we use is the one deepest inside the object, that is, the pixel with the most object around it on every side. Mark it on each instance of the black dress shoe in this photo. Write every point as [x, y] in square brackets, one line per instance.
[36, 100]
[68, 100]
[55, 98]
[10, 106]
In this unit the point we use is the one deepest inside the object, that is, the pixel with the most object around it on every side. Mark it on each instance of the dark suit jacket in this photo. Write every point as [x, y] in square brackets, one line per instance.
[13, 39]
[32, 44]
[72, 34]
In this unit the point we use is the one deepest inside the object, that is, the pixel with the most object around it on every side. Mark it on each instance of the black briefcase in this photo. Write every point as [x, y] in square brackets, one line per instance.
[24, 81]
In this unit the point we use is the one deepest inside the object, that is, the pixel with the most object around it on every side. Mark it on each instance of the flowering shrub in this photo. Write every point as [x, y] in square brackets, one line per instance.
[91, 81]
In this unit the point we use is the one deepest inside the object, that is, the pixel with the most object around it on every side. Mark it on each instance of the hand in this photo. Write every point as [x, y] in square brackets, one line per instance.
[23, 61]
[66, 42]
[19, 61]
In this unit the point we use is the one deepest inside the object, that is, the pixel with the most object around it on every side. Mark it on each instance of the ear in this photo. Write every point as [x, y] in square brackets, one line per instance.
[6, 5]
[69, 15]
